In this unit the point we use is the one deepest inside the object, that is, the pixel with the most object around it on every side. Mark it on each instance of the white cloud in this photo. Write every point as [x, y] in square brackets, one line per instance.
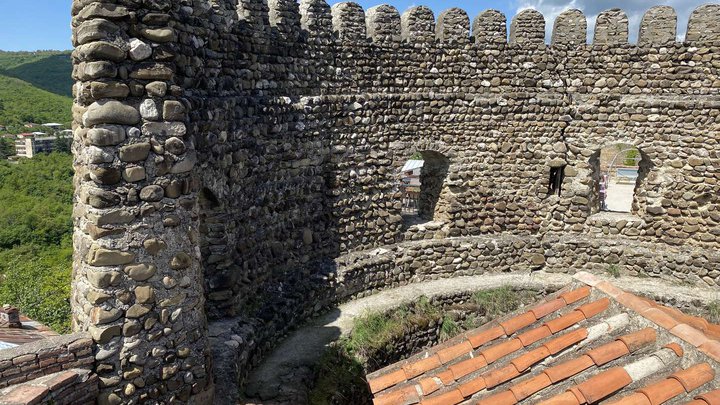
[635, 10]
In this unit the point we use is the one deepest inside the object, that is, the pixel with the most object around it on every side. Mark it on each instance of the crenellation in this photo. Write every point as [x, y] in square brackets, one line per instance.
[453, 26]
[254, 13]
[418, 25]
[383, 24]
[316, 18]
[658, 27]
[611, 28]
[570, 29]
[284, 15]
[528, 29]
[490, 27]
[704, 24]
[349, 22]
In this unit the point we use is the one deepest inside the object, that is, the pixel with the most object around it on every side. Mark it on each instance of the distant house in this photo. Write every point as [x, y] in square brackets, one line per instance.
[410, 173]
[29, 145]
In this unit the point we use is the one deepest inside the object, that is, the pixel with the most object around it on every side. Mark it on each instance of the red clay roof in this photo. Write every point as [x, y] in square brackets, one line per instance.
[585, 344]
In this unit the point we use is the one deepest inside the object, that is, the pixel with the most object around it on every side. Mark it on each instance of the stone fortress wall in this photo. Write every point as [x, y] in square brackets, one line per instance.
[239, 158]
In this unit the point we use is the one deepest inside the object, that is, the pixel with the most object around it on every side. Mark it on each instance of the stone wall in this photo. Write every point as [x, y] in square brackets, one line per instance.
[241, 156]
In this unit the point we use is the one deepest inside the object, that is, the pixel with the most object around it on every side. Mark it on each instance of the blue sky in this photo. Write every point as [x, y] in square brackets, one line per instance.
[45, 24]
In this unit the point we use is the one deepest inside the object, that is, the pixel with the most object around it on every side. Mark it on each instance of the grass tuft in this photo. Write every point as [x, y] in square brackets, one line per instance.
[449, 328]
[497, 302]
[713, 312]
[613, 270]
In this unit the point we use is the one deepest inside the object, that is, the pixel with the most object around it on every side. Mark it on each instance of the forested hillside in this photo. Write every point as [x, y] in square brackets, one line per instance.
[35, 237]
[50, 71]
[34, 87]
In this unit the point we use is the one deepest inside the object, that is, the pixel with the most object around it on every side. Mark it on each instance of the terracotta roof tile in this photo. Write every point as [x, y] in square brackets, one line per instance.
[632, 301]
[609, 352]
[636, 340]
[594, 308]
[676, 348]
[513, 325]
[660, 318]
[577, 394]
[609, 289]
[503, 398]
[604, 384]
[534, 335]
[633, 399]
[675, 313]
[712, 349]
[662, 391]
[429, 385]
[713, 331]
[422, 366]
[453, 352]
[565, 321]
[530, 386]
[566, 398]
[561, 343]
[574, 296]
[699, 402]
[501, 375]
[467, 367]
[473, 386]
[569, 368]
[451, 375]
[548, 308]
[447, 377]
[448, 398]
[525, 361]
[501, 350]
[397, 397]
[711, 398]
[689, 334]
[694, 377]
[480, 338]
[386, 381]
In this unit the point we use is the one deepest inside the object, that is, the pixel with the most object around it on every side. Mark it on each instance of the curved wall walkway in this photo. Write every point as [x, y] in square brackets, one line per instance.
[288, 368]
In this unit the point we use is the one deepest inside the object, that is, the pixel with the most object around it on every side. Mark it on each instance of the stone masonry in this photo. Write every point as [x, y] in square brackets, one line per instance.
[238, 159]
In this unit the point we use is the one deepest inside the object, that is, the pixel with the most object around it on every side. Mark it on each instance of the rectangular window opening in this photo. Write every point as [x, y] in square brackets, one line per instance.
[557, 176]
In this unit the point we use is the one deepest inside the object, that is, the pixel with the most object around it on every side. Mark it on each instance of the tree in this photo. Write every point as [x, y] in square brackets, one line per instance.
[62, 144]
[7, 148]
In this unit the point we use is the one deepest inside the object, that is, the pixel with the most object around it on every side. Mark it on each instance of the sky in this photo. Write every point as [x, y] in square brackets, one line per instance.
[45, 24]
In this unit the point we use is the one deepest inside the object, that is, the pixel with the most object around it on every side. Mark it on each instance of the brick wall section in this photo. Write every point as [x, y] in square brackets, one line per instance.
[45, 357]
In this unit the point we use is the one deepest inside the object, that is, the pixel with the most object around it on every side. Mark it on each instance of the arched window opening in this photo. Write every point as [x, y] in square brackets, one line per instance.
[421, 182]
[619, 172]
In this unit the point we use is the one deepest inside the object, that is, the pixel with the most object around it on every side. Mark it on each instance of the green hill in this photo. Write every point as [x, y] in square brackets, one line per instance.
[35, 87]
[47, 70]
[21, 102]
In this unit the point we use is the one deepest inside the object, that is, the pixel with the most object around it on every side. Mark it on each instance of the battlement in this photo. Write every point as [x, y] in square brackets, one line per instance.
[349, 22]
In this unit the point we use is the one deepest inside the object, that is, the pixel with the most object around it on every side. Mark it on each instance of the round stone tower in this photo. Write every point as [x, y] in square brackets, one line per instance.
[137, 284]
